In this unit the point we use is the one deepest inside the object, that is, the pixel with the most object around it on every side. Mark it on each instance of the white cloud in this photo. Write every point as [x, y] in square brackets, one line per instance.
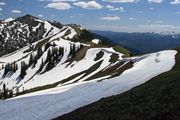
[1, 9]
[110, 7]
[40, 15]
[59, 5]
[108, 18]
[2, 3]
[151, 8]
[89, 5]
[175, 2]
[16, 11]
[155, 1]
[58, 0]
[177, 12]
[121, 1]
[132, 18]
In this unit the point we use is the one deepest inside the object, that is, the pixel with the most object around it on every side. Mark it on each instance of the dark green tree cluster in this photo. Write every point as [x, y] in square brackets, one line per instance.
[39, 53]
[10, 67]
[24, 67]
[54, 55]
[5, 93]
[47, 45]
[74, 50]
[33, 58]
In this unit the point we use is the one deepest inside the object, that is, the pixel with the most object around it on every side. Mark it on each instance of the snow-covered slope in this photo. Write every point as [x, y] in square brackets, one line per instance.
[62, 70]
[65, 54]
[51, 103]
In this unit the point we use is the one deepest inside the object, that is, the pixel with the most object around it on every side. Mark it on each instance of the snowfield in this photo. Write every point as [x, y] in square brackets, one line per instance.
[51, 103]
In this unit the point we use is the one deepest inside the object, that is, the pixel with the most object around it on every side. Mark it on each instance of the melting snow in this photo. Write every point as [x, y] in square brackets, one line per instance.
[96, 41]
[48, 104]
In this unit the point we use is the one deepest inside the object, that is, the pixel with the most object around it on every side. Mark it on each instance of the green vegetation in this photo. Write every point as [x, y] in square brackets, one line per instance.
[99, 56]
[157, 99]
[112, 71]
[92, 68]
[122, 50]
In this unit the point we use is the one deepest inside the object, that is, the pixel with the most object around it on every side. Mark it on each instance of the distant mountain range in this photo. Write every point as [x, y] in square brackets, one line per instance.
[143, 42]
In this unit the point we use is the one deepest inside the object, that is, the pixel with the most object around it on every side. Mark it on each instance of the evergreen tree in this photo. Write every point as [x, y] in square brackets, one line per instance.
[41, 66]
[10, 95]
[49, 55]
[23, 69]
[47, 45]
[4, 91]
[31, 59]
[2, 66]
[39, 53]
[35, 61]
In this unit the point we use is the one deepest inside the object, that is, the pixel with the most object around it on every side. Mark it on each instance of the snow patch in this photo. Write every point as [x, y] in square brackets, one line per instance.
[96, 41]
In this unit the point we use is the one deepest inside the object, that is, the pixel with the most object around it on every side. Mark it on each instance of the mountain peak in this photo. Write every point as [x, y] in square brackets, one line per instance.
[28, 16]
[28, 19]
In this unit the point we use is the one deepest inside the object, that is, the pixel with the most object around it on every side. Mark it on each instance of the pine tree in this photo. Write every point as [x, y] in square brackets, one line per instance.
[2, 66]
[41, 66]
[47, 45]
[49, 55]
[39, 53]
[31, 59]
[4, 91]
[23, 69]
[10, 95]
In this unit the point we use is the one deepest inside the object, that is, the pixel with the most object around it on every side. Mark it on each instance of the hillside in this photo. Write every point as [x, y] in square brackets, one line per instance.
[64, 54]
[51, 103]
[157, 99]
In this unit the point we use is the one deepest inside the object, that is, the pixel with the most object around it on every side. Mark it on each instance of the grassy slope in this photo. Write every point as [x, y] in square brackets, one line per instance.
[157, 99]
[121, 49]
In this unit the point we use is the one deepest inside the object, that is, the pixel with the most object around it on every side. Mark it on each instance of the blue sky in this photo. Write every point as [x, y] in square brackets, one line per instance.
[111, 15]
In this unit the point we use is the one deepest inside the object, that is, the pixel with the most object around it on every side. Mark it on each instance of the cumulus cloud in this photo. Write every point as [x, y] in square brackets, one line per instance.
[121, 1]
[59, 5]
[59, 0]
[89, 5]
[16, 11]
[132, 18]
[175, 2]
[110, 7]
[155, 1]
[1, 9]
[2, 3]
[108, 18]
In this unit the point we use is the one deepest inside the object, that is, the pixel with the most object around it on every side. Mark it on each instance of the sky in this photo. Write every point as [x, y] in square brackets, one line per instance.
[106, 15]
